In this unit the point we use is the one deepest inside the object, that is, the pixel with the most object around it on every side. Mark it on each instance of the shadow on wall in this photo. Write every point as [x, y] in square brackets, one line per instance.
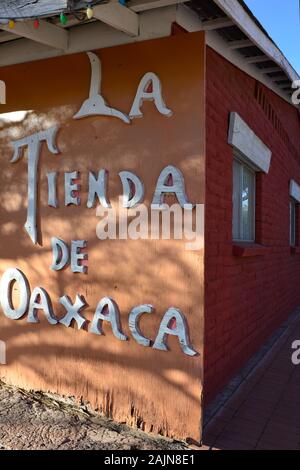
[126, 381]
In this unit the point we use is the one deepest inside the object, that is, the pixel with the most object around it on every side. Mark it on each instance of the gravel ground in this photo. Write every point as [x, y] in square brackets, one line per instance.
[39, 421]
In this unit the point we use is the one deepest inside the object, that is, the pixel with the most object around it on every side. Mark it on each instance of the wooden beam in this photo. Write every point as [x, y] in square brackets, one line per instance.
[143, 5]
[90, 36]
[240, 44]
[219, 23]
[47, 33]
[118, 16]
[4, 36]
[10, 9]
[271, 70]
[285, 86]
[257, 59]
[188, 19]
[282, 82]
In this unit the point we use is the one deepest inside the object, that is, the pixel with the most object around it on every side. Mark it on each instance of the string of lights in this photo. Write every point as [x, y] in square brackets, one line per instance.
[80, 13]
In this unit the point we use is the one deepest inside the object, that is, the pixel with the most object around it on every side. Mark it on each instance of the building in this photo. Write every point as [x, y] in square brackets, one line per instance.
[218, 127]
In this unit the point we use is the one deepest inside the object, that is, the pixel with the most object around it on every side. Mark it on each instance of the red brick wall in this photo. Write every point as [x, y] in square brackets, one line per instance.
[246, 299]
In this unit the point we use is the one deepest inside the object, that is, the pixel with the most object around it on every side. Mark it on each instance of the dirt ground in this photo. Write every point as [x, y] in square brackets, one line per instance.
[41, 421]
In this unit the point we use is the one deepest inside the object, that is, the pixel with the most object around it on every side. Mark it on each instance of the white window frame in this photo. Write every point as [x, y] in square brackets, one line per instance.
[245, 164]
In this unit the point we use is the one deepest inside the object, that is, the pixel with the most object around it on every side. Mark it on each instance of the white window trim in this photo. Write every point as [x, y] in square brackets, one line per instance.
[295, 190]
[246, 142]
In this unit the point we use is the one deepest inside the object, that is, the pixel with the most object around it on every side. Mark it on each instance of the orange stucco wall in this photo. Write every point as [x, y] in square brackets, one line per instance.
[160, 391]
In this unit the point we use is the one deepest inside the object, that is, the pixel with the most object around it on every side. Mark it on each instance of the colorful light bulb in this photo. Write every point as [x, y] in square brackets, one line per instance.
[11, 24]
[36, 24]
[63, 19]
[89, 13]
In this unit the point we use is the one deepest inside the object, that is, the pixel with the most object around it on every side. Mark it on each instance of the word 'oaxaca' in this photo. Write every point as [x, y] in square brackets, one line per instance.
[173, 322]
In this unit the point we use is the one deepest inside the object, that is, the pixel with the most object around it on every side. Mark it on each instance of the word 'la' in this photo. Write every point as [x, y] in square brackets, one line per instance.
[149, 89]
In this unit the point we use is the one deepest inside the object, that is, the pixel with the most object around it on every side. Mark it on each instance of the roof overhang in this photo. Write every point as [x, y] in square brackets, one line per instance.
[230, 28]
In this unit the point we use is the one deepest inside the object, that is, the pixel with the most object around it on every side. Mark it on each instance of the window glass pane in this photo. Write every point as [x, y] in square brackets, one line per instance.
[243, 225]
[248, 190]
[237, 174]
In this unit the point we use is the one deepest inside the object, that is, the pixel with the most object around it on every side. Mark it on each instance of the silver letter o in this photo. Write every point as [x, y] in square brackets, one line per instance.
[14, 275]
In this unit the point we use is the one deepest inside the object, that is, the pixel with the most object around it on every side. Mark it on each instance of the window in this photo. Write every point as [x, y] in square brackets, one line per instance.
[293, 217]
[243, 202]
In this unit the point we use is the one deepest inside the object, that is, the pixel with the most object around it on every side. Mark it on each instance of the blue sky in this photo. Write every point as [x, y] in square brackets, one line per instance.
[281, 19]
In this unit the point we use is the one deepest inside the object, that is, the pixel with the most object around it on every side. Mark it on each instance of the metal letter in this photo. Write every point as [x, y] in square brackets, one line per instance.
[95, 104]
[52, 193]
[133, 321]
[75, 256]
[98, 186]
[44, 304]
[33, 142]
[113, 317]
[70, 187]
[149, 79]
[181, 330]
[131, 199]
[60, 252]
[11, 276]
[177, 187]
[73, 311]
